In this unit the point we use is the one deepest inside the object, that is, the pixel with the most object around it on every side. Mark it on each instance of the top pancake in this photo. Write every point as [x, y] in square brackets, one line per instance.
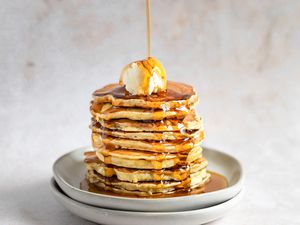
[176, 95]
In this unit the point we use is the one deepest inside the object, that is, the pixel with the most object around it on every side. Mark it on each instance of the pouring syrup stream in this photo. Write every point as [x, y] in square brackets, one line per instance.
[148, 27]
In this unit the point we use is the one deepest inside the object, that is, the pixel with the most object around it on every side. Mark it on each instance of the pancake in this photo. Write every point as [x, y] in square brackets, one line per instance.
[138, 163]
[146, 160]
[159, 146]
[107, 111]
[191, 122]
[192, 155]
[177, 95]
[155, 136]
[141, 194]
[177, 173]
[135, 175]
[195, 180]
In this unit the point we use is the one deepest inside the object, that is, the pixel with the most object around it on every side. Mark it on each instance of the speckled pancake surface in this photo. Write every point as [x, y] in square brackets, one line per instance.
[152, 146]
[177, 95]
[195, 180]
[177, 173]
[190, 122]
[133, 175]
[109, 112]
[146, 160]
[155, 136]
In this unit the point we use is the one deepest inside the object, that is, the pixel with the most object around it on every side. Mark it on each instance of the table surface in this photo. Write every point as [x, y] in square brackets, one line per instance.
[243, 61]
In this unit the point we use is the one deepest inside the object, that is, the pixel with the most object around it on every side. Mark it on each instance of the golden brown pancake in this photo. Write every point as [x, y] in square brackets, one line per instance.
[191, 122]
[179, 172]
[146, 160]
[176, 173]
[153, 146]
[150, 187]
[177, 95]
[155, 136]
[107, 111]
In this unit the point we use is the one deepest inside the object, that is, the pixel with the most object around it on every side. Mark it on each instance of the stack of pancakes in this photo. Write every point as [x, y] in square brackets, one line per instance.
[146, 145]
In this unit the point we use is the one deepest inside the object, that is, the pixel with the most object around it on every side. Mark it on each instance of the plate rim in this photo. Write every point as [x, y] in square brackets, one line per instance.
[234, 200]
[175, 198]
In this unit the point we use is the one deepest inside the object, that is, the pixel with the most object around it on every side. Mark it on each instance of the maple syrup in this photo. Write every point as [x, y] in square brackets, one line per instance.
[148, 27]
[175, 92]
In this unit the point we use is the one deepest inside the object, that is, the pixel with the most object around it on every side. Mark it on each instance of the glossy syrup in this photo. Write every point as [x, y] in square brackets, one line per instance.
[148, 28]
[217, 182]
[175, 92]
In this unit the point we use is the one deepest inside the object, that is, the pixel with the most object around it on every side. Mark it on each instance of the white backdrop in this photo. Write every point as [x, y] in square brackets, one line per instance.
[242, 56]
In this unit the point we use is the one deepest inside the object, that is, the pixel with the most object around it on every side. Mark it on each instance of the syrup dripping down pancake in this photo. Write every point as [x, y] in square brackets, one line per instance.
[107, 111]
[195, 180]
[177, 173]
[158, 146]
[146, 160]
[135, 175]
[177, 95]
[191, 122]
[132, 154]
[155, 136]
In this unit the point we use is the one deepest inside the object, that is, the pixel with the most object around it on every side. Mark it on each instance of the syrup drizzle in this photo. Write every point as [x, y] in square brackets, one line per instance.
[175, 92]
[148, 27]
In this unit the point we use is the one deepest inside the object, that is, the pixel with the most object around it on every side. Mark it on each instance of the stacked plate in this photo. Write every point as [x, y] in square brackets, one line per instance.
[69, 170]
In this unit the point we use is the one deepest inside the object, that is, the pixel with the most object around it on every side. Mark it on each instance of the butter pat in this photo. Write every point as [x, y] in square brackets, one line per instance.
[144, 77]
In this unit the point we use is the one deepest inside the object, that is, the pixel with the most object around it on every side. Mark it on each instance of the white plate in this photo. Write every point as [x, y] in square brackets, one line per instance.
[109, 216]
[69, 171]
